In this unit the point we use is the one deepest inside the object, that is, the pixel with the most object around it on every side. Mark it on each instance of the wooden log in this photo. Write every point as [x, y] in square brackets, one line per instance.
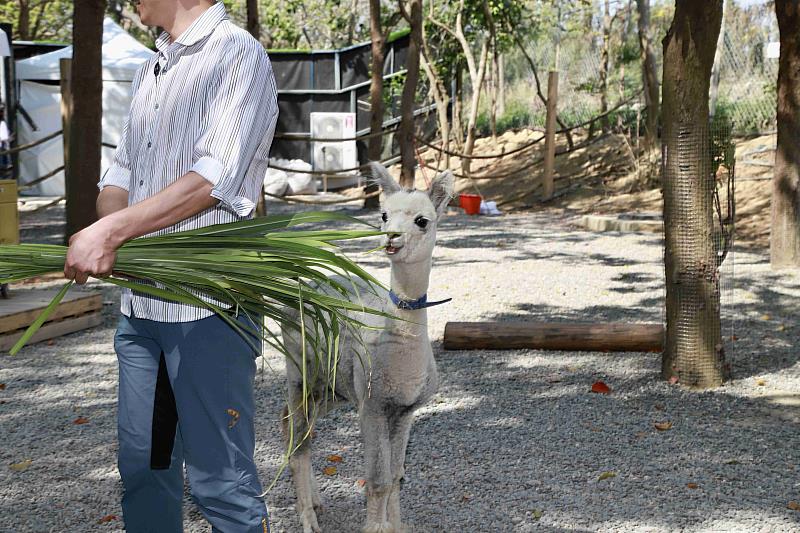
[596, 337]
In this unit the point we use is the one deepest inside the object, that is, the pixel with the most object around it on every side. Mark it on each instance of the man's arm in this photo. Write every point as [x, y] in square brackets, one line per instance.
[110, 200]
[92, 251]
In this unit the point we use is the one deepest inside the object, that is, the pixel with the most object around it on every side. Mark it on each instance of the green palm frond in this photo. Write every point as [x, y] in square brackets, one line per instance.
[264, 267]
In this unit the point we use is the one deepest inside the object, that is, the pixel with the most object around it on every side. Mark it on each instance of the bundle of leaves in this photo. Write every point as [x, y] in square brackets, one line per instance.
[266, 267]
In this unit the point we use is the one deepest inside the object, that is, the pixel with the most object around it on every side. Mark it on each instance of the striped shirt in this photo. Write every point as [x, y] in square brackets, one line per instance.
[206, 103]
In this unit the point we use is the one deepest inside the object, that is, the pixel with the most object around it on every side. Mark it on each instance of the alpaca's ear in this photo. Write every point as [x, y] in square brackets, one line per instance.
[441, 191]
[380, 176]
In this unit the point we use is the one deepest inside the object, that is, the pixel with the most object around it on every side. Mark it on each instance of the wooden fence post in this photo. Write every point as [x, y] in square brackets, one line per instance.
[550, 135]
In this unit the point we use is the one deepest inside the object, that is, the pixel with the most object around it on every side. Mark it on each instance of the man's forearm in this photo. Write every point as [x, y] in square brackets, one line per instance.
[110, 200]
[189, 195]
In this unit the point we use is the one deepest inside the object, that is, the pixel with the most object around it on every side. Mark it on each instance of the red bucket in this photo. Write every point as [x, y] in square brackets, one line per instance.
[471, 203]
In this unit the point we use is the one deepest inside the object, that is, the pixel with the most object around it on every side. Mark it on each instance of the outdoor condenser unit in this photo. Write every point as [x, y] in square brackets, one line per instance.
[334, 155]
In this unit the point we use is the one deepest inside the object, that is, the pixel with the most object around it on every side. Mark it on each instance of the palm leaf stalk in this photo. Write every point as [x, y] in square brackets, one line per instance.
[263, 267]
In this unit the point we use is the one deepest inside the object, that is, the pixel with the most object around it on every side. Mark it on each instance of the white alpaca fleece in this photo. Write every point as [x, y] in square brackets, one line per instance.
[387, 372]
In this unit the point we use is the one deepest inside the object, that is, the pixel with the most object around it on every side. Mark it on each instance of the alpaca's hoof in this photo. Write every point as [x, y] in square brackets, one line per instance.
[316, 502]
[378, 527]
[309, 520]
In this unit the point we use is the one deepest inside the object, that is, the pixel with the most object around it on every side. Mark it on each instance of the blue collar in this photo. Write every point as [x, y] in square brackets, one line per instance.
[413, 305]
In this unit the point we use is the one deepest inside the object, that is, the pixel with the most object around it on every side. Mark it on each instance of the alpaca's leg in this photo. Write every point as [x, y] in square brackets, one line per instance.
[377, 457]
[401, 430]
[300, 462]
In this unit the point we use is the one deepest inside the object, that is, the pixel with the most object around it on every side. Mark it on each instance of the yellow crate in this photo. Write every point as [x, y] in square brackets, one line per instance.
[9, 217]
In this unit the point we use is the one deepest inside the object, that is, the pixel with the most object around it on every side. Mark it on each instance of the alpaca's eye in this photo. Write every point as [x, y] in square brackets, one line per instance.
[384, 217]
[421, 221]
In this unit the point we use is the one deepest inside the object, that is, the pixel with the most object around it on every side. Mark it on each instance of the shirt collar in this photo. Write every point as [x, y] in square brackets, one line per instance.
[201, 28]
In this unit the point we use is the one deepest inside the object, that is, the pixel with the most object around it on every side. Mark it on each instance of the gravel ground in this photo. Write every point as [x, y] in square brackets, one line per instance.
[513, 441]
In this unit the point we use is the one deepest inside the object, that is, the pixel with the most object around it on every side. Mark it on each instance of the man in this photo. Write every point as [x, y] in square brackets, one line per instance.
[193, 153]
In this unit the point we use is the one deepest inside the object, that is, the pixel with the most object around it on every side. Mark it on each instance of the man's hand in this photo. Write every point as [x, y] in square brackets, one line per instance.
[92, 252]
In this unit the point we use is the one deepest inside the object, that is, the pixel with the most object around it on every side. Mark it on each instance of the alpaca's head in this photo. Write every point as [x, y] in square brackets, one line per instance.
[410, 217]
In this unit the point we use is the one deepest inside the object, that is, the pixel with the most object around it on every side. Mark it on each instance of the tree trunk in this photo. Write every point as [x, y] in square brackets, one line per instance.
[23, 21]
[714, 93]
[87, 107]
[477, 85]
[376, 84]
[495, 88]
[458, 106]
[407, 155]
[253, 25]
[375, 144]
[604, 65]
[649, 74]
[440, 95]
[351, 25]
[87, 110]
[785, 234]
[501, 85]
[693, 353]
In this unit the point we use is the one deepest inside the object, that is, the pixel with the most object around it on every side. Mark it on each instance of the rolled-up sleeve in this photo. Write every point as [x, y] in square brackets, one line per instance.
[119, 173]
[241, 116]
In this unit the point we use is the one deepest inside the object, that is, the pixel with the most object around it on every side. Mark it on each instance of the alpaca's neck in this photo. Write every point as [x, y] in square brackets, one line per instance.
[410, 280]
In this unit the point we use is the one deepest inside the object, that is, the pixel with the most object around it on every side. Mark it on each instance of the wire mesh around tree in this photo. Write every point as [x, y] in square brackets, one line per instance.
[698, 179]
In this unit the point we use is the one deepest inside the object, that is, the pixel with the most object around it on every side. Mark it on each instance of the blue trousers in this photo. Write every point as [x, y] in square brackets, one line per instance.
[186, 395]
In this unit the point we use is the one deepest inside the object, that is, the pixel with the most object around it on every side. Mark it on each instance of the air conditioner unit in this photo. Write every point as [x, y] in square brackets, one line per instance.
[334, 156]
[333, 125]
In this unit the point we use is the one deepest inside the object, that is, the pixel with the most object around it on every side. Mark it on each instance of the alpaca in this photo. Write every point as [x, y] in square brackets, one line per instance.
[389, 371]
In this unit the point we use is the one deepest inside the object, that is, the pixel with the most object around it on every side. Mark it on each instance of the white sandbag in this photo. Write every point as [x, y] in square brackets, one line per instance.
[300, 182]
[276, 182]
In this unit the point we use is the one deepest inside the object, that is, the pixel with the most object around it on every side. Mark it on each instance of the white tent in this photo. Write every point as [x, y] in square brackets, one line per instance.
[122, 56]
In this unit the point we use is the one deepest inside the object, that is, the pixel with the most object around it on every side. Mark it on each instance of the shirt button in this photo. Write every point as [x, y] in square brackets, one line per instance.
[141, 182]
[149, 145]
[156, 106]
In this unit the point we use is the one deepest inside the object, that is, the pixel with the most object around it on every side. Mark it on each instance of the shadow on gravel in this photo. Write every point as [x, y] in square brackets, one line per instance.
[533, 437]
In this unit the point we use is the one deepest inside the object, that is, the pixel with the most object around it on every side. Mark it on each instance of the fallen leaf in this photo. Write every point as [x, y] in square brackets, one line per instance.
[641, 435]
[659, 406]
[361, 482]
[761, 382]
[108, 518]
[50, 342]
[466, 497]
[601, 388]
[536, 514]
[234, 414]
[329, 470]
[732, 462]
[782, 327]
[691, 485]
[765, 317]
[335, 458]
[21, 466]
[2, 386]
[794, 506]
[80, 420]
[663, 426]
[606, 475]
[734, 338]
